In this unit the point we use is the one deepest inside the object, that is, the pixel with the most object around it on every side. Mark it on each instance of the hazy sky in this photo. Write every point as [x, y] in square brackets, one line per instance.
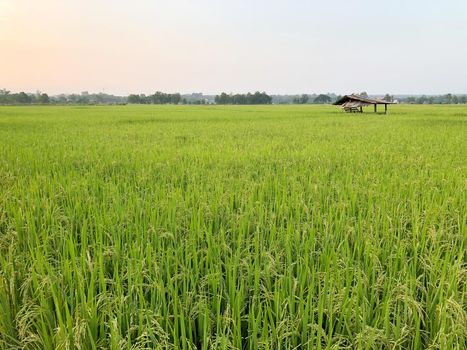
[293, 46]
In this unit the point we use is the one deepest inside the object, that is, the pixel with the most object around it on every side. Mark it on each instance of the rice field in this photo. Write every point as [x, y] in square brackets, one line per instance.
[222, 227]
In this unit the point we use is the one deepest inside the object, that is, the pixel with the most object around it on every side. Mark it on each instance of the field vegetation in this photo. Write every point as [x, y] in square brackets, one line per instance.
[232, 227]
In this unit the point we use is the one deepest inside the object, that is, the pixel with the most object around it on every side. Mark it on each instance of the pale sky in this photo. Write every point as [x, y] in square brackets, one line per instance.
[293, 46]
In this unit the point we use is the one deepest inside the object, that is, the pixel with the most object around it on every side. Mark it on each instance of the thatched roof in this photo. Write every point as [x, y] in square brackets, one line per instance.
[353, 104]
[360, 100]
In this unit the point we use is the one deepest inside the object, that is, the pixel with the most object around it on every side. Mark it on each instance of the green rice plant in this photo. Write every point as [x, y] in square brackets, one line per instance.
[232, 227]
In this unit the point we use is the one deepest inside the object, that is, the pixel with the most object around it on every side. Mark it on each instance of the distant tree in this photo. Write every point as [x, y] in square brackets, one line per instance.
[23, 98]
[222, 99]
[62, 99]
[422, 99]
[239, 99]
[134, 99]
[455, 99]
[175, 98]
[463, 99]
[302, 99]
[139, 99]
[84, 98]
[448, 98]
[243, 99]
[265, 98]
[322, 99]
[4, 96]
[99, 98]
[261, 98]
[364, 94]
[73, 98]
[157, 98]
[44, 98]
[144, 99]
[388, 98]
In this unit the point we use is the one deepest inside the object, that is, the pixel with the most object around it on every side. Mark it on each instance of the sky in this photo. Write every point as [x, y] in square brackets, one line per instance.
[209, 46]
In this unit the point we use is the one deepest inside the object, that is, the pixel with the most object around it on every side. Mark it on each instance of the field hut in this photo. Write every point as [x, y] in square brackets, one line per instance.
[355, 103]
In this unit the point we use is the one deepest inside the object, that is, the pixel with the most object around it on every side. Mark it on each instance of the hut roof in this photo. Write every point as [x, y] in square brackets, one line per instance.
[353, 104]
[363, 100]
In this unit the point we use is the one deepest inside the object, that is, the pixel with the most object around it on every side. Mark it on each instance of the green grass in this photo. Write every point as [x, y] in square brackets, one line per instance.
[255, 227]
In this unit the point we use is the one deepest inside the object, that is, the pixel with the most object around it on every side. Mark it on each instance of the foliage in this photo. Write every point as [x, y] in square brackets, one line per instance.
[266, 227]
[322, 99]
[258, 98]
[388, 98]
[85, 98]
[303, 99]
[435, 99]
[158, 98]
[6, 97]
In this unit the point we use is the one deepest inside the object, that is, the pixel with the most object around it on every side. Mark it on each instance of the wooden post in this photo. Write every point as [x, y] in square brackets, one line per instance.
[361, 109]
[385, 108]
[376, 108]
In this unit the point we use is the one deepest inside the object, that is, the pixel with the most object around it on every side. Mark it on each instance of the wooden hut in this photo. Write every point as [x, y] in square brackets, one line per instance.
[355, 103]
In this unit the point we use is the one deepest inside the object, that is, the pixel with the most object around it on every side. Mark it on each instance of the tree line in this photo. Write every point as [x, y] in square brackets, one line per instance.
[6, 97]
[23, 98]
[158, 98]
[85, 98]
[304, 99]
[431, 99]
[161, 98]
[258, 98]
[436, 99]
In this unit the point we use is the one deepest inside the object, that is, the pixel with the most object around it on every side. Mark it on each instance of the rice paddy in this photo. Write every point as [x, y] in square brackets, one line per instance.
[246, 227]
